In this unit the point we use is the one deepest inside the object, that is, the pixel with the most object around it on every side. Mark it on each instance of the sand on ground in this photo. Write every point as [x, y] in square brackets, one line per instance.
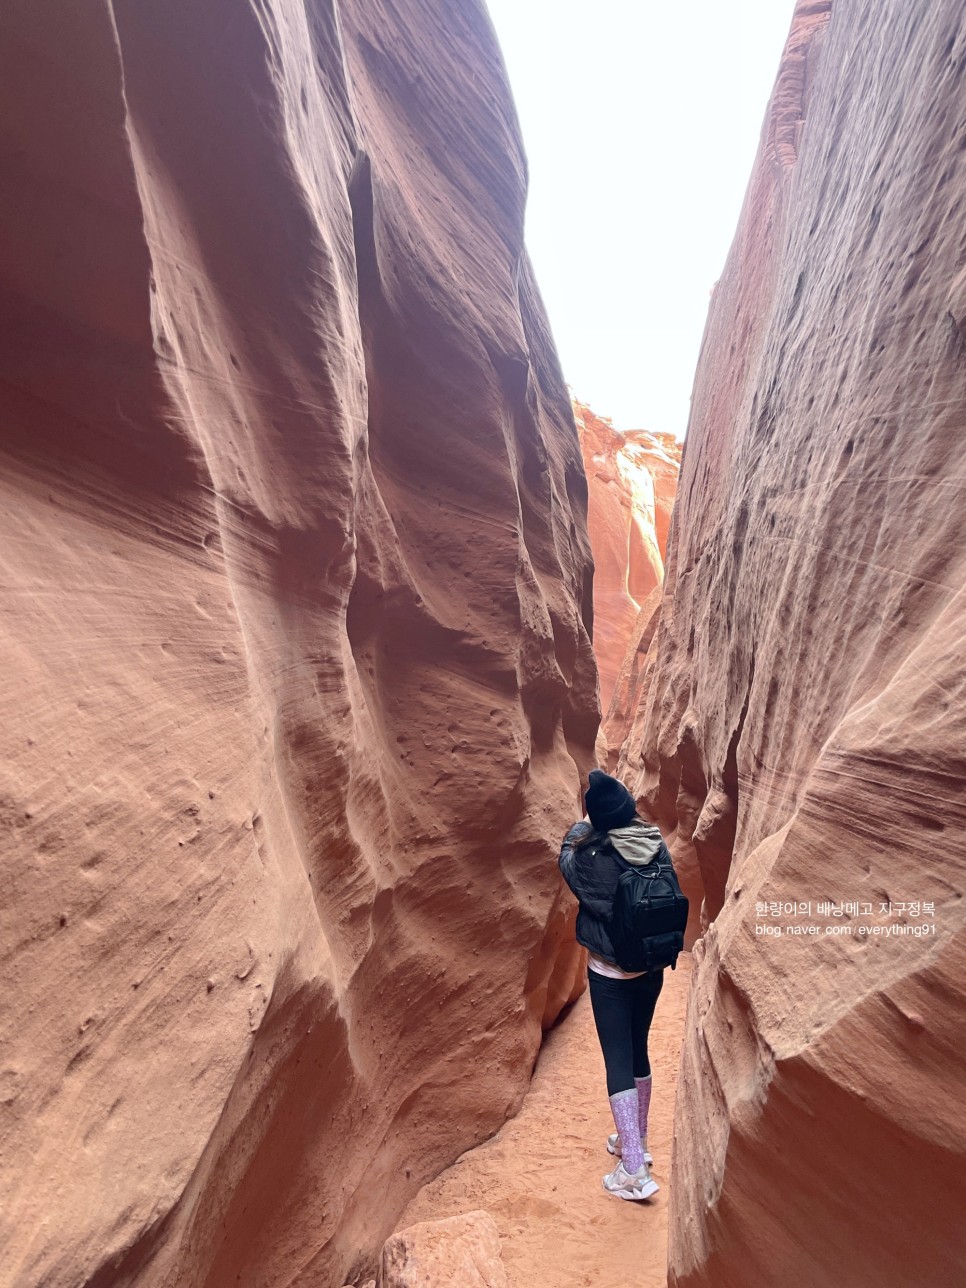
[540, 1176]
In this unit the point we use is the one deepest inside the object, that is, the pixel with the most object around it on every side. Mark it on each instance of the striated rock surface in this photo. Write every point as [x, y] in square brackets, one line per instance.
[630, 689]
[803, 736]
[460, 1250]
[296, 672]
[631, 480]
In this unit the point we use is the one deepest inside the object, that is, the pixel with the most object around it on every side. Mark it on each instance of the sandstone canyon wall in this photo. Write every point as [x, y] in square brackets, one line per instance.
[631, 480]
[297, 677]
[803, 730]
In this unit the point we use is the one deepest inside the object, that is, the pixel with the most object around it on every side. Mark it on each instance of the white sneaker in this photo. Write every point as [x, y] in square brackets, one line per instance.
[630, 1185]
[614, 1147]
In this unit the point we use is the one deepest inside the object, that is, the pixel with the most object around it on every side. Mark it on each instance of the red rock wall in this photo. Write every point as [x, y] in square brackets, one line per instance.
[804, 731]
[631, 480]
[297, 677]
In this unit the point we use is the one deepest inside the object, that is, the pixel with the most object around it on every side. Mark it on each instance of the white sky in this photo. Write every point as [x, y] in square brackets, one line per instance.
[641, 122]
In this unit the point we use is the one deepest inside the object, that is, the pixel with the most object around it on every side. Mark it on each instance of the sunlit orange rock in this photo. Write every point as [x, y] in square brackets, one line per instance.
[802, 738]
[297, 684]
[631, 481]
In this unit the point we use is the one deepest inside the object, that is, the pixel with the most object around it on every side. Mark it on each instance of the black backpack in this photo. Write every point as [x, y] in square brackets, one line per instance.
[649, 916]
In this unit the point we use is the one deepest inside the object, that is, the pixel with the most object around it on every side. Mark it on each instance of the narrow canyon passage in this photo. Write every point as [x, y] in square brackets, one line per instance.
[298, 691]
[539, 1176]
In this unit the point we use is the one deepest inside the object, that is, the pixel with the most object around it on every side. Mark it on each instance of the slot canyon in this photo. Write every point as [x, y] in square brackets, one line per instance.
[321, 598]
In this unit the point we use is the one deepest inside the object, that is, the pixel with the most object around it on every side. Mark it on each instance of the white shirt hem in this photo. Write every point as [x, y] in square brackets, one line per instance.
[603, 967]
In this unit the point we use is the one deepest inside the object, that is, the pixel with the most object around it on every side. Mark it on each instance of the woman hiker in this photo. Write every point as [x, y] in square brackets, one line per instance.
[592, 858]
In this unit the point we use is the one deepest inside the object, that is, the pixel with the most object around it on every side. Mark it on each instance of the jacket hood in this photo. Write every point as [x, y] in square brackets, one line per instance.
[638, 843]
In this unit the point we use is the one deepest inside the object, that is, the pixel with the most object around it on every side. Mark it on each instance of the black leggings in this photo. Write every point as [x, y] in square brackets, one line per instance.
[623, 1009]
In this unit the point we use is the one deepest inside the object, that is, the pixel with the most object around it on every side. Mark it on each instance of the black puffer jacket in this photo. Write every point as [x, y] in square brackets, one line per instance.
[592, 874]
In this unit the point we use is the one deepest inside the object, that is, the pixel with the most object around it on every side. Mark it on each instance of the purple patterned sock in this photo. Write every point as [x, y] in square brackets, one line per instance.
[643, 1086]
[623, 1106]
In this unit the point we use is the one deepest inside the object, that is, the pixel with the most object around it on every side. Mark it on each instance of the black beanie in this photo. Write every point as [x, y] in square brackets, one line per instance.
[609, 803]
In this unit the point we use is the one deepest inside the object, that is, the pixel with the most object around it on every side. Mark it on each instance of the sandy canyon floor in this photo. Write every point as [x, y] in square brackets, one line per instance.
[539, 1177]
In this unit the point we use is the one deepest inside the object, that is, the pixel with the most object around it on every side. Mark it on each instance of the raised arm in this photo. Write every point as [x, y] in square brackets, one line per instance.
[566, 860]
